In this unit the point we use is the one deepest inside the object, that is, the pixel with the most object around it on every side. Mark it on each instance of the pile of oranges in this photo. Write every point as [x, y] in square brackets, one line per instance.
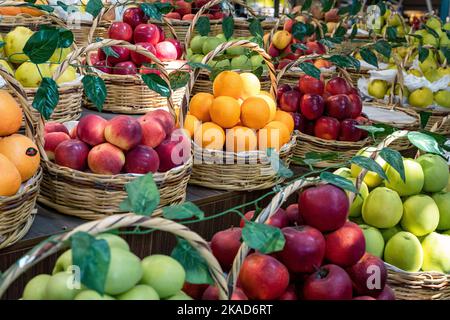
[19, 156]
[14, 11]
[238, 116]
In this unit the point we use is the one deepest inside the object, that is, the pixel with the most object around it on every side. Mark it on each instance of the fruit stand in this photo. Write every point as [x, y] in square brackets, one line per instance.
[178, 150]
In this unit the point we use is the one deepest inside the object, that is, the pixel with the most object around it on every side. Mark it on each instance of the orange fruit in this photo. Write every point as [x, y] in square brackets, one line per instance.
[241, 139]
[274, 135]
[10, 114]
[190, 124]
[10, 179]
[228, 83]
[23, 153]
[225, 111]
[210, 136]
[200, 105]
[286, 118]
[9, 11]
[251, 85]
[255, 112]
[31, 11]
[270, 101]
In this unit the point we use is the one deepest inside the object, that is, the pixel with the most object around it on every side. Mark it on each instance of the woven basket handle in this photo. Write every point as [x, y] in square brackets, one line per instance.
[99, 18]
[117, 221]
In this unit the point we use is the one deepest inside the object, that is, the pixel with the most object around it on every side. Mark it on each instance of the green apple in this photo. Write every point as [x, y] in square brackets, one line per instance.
[257, 61]
[404, 251]
[434, 23]
[59, 55]
[64, 262]
[378, 88]
[390, 232]
[92, 295]
[189, 53]
[420, 215]
[210, 44]
[436, 253]
[197, 58]
[421, 98]
[197, 43]
[371, 179]
[356, 207]
[414, 178]
[163, 273]
[432, 75]
[15, 41]
[180, 296]
[374, 240]
[62, 286]
[415, 72]
[221, 36]
[442, 200]
[35, 288]
[436, 172]
[382, 208]
[114, 241]
[222, 64]
[241, 63]
[235, 51]
[124, 272]
[139, 292]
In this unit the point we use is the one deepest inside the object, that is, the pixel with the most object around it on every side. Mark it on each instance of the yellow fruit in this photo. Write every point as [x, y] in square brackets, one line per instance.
[2, 49]
[274, 135]
[10, 114]
[15, 40]
[9, 178]
[255, 112]
[286, 118]
[191, 123]
[210, 136]
[281, 39]
[251, 85]
[200, 105]
[240, 139]
[421, 98]
[228, 83]
[59, 55]
[30, 75]
[6, 66]
[70, 74]
[225, 111]
[270, 101]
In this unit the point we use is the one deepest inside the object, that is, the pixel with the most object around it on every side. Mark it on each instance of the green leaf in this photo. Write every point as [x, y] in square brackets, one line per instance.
[198, 65]
[424, 142]
[296, 46]
[424, 117]
[156, 10]
[143, 196]
[345, 61]
[94, 7]
[263, 237]
[395, 160]
[109, 52]
[355, 7]
[431, 31]
[371, 129]
[255, 28]
[300, 30]
[338, 181]
[258, 71]
[228, 27]
[62, 5]
[391, 32]
[197, 270]
[65, 38]
[310, 69]
[340, 32]
[278, 165]
[203, 26]
[186, 210]
[42, 7]
[327, 5]
[423, 53]
[354, 31]
[343, 10]
[93, 257]
[446, 52]
[369, 164]
[157, 84]
[46, 98]
[2, 44]
[369, 57]
[383, 47]
[95, 90]
[306, 5]
[179, 79]
[382, 7]
[41, 45]
[313, 157]
[164, 7]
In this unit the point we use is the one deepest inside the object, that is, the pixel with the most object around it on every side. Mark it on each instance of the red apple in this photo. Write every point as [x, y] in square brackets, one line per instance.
[315, 47]
[125, 68]
[91, 129]
[349, 131]
[93, 58]
[302, 124]
[332, 15]
[248, 217]
[164, 117]
[153, 132]
[195, 291]
[134, 17]
[124, 132]
[338, 106]
[279, 219]
[290, 101]
[120, 31]
[283, 63]
[363, 121]
[386, 294]
[312, 106]
[100, 55]
[330, 282]
[146, 32]
[368, 275]
[219, 15]
[72, 154]
[141, 160]
[324, 207]
[282, 88]
[162, 36]
[178, 46]
[327, 128]
[211, 293]
[173, 15]
[309, 84]
[74, 132]
[289, 294]
[183, 7]
[225, 245]
[188, 17]
[148, 70]
[52, 141]
[304, 249]
[166, 51]
[346, 245]
[103, 66]
[337, 85]
[293, 214]
[140, 59]
[255, 280]
[273, 52]
[238, 294]
[288, 25]
[174, 151]
[55, 127]
[355, 105]
[123, 54]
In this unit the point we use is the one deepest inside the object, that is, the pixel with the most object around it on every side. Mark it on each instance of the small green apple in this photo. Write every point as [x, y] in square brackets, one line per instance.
[436, 172]
[163, 273]
[371, 179]
[421, 98]
[210, 44]
[92, 295]
[257, 61]
[436, 253]
[139, 292]
[35, 288]
[382, 208]
[222, 64]
[404, 251]
[378, 88]
[114, 241]
[390, 232]
[180, 296]
[62, 286]
[197, 58]
[235, 51]
[374, 240]
[420, 215]
[343, 172]
[189, 53]
[64, 262]
[221, 36]
[241, 63]
[444, 41]
[197, 43]
[414, 178]
[442, 200]
[356, 207]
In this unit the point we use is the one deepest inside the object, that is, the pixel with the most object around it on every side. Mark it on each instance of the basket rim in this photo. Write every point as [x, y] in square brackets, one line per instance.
[312, 139]
[61, 88]
[395, 108]
[431, 274]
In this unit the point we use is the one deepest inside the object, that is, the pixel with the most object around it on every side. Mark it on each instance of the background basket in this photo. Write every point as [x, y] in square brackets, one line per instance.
[8, 23]
[49, 247]
[237, 171]
[128, 94]
[17, 212]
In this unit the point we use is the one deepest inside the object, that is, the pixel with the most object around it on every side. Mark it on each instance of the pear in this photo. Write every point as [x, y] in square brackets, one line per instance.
[401, 32]
[432, 75]
[434, 23]
[59, 55]
[446, 26]
[15, 40]
[387, 13]
[401, 51]
[444, 41]
[378, 88]
[2, 49]
[394, 20]
[6, 66]
[429, 63]
[443, 71]
[415, 72]
[442, 98]
[421, 98]
[69, 75]
[29, 74]
[422, 33]
[429, 39]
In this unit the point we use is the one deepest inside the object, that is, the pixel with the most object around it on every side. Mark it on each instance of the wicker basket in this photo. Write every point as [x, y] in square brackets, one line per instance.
[128, 94]
[436, 117]
[49, 247]
[92, 196]
[8, 23]
[237, 171]
[17, 212]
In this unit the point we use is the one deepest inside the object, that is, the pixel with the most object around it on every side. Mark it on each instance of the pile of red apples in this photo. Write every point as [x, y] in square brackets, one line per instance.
[328, 110]
[324, 256]
[186, 10]
[123, 144]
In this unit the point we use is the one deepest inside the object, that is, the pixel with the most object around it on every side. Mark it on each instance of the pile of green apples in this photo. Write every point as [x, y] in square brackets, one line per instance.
[128, 278]
[406, 223]
[237, 58]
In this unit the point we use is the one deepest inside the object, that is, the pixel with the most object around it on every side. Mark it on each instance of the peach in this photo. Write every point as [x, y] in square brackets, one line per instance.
[106, 158]
[164, 117]
[174, 151]
[73, 154]
[123, 132]
[153, 132]
[141, 160]
[55, 127]
[91, 129]
[52, 141]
